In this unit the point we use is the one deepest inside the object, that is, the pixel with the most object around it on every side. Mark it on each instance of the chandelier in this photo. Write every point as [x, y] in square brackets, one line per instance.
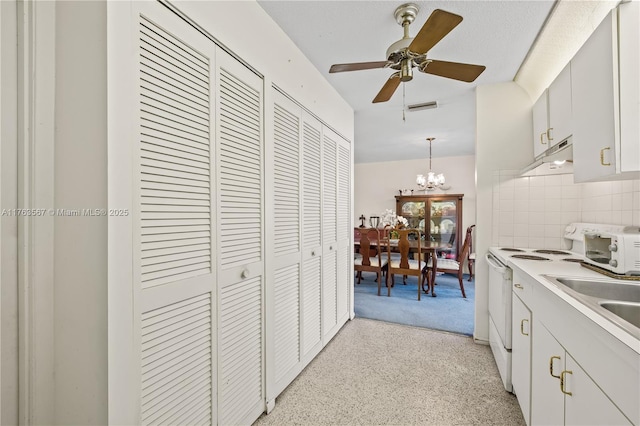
[431, 181]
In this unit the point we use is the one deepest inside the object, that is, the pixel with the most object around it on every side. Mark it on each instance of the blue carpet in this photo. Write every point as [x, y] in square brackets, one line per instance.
[448, 311]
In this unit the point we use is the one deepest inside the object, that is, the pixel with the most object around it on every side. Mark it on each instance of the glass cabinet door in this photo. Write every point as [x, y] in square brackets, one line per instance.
[443, 225]
[413, 211]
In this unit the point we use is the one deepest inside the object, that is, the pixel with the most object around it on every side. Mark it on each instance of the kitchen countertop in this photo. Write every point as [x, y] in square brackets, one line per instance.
[575, 270]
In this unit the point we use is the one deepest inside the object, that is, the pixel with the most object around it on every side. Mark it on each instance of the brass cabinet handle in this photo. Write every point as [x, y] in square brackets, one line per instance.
[549, 133]
[541, 136]
[551, 366]
[518, 286]
[562, 382]
[602, 156]
[522, 327]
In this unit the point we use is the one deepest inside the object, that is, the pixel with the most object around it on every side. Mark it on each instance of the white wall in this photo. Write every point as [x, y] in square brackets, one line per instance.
[376, 184]
[533, 211]
[504, 129]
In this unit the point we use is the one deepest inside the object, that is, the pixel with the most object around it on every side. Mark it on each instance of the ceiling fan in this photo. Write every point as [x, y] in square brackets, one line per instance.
[411, 52]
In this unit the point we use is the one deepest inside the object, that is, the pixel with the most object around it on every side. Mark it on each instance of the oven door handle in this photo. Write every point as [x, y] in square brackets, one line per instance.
[495, 263]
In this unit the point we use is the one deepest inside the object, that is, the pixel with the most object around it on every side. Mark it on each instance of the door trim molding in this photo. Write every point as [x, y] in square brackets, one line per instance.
[36, 103]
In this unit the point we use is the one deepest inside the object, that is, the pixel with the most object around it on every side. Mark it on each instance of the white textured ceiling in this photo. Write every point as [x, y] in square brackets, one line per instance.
[497, 34]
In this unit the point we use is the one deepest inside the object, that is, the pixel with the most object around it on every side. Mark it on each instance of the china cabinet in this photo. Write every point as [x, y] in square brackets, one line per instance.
[438, 216]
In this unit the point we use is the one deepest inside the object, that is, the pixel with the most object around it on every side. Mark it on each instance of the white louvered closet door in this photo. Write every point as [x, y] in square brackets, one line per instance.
[311, 286]
[284, 244]
[174, 218]
[344, 268]
[240, 242]
[329, 234]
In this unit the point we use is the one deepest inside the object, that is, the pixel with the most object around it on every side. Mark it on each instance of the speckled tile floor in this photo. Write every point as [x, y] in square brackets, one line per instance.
[378, 373]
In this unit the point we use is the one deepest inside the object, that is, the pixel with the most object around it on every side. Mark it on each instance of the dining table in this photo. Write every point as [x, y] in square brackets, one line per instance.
[430, 248]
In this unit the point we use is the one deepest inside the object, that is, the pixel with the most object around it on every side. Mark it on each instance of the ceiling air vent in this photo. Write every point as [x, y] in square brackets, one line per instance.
[426, 105]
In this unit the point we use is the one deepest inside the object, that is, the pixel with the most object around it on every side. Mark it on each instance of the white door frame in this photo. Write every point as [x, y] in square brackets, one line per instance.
[35, 161]
[8, 221]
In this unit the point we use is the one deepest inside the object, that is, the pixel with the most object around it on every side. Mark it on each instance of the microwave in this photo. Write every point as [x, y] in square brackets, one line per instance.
[618, 252]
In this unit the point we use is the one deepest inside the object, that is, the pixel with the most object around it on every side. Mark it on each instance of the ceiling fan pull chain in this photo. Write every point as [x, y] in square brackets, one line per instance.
[404, 120]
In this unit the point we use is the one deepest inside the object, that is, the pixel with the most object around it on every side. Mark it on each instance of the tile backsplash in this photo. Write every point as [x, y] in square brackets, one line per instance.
[533, 211]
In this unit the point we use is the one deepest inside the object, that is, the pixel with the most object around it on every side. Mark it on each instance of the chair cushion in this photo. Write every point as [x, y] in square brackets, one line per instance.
[413, 264]
[394, 256]
[373, 260]
[472, 256]
[445, 264]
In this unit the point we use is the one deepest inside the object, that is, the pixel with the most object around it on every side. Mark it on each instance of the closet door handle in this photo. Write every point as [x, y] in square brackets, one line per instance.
[562, 382]
[551, 366]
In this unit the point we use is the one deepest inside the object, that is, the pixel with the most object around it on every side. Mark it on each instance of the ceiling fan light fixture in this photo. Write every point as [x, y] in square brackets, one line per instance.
[406, 74]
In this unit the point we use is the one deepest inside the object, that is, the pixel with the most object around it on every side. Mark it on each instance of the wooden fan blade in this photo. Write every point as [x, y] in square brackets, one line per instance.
[454, 70]
[357, 66]
[388, 89]
[439, 24]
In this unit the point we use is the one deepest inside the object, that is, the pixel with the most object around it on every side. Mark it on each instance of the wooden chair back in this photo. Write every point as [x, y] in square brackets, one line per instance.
[405, 265]
[369, 238]
[466, 246]
[371, 259]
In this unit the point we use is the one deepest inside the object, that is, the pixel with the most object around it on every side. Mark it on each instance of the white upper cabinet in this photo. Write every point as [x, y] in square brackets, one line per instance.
[552, 118]
[540, 120]
[560, 112]
[605, 97]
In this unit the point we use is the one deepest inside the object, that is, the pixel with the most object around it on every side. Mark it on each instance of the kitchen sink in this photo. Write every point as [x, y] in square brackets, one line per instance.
[627, 311]
[616, 300]
[603, 289]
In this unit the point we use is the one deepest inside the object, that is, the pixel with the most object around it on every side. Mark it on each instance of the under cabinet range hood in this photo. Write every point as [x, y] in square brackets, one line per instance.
[557, 160]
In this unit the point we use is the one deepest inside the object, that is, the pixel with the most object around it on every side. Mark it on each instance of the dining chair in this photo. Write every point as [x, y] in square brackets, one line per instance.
[403, 264]
[471, 257]
[449, 266]
[369, 257]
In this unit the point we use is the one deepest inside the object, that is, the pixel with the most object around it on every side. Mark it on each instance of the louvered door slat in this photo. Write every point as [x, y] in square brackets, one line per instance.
[167, 137]
[311, 184]
[164, 331]
[240, 174]
[286, 182]
[240, 348]
[156, 104]
[167, 242]
[176, 233]
[311, 289]
[287, 329]
[174, 153]
[177, 48]
[195, 366]
[344, 230]
[329, 189]
[174, 389]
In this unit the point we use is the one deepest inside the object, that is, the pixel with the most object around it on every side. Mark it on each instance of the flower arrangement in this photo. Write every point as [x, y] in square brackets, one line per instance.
[391, 219]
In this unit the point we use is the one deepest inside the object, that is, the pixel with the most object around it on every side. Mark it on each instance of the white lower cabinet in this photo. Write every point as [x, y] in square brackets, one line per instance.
[521, 355]
[567, 369]
[562, 392]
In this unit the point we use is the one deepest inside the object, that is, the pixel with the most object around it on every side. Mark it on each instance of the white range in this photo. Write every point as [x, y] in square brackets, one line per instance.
[500, 302]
